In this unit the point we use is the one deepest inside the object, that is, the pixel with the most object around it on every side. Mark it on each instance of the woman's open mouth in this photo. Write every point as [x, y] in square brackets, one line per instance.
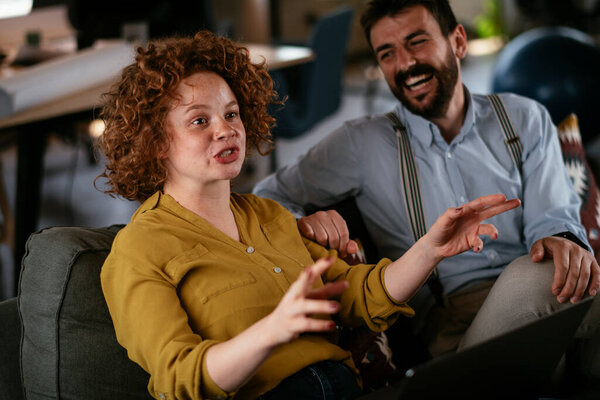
[228, 155]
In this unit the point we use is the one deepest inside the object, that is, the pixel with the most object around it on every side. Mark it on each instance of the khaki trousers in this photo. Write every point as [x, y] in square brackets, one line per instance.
[520, 294]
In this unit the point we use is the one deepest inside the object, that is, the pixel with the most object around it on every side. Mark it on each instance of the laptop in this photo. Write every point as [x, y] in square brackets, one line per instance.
[516, 364]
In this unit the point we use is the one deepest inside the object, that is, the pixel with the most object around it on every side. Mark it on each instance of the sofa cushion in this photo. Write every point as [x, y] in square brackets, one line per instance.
[69, 349]
[583, 179]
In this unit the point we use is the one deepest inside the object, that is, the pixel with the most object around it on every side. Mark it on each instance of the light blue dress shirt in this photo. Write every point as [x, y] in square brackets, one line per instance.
[360, 159]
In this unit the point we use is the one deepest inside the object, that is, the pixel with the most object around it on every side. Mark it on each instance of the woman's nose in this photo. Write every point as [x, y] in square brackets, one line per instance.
[223, 130]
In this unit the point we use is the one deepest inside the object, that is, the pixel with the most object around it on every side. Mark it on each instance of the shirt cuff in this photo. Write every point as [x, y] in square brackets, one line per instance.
[209, 388]
[403, 306]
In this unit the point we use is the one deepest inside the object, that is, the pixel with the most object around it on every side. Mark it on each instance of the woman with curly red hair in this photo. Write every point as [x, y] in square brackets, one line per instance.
[216, 294]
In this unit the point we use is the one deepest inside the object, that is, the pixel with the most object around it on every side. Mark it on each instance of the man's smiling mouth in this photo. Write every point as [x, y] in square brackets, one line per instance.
[416, 81]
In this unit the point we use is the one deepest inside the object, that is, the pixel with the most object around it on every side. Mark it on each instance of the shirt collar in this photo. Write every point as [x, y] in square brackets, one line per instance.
[469, 115]
[149, 204]
[424, 130]
[416, 126]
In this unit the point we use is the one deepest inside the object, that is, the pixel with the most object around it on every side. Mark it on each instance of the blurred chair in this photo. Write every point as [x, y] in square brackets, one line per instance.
[557, 66]
[314, 90]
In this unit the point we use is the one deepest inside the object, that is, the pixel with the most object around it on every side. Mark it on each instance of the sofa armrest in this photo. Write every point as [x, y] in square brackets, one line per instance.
[10, 341]
[69, 348]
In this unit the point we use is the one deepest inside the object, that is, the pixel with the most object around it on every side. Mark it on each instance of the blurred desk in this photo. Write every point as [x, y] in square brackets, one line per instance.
[32, 125]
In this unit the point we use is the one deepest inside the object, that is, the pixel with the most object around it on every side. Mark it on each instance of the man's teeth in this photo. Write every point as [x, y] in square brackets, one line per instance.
[225, 153]
[414, 81]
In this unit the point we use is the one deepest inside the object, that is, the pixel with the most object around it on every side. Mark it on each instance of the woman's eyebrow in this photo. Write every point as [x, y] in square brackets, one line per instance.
[194, 107]
[200, 106]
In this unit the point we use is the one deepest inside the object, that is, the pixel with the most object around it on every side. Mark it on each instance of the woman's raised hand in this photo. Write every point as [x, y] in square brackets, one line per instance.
[294, 314]
[458, 229]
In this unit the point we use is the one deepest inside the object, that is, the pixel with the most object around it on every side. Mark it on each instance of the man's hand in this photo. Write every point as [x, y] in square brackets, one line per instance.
[575, 268]
[329, 229]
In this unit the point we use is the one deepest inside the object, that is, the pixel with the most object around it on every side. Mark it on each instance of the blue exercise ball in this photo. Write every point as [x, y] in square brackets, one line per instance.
[557, 66]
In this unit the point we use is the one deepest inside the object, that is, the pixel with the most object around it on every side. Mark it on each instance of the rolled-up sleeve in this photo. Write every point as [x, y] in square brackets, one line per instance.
[366, 301]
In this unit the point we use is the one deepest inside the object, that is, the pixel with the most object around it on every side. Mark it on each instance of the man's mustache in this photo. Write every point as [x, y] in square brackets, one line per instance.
[415, 70]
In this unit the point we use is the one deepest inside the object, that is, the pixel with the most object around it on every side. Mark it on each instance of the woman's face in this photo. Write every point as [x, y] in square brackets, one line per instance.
[207, 139]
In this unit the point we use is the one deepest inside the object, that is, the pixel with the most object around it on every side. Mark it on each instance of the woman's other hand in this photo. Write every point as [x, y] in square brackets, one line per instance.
[458, 229]
[296, 311]
[455, 231]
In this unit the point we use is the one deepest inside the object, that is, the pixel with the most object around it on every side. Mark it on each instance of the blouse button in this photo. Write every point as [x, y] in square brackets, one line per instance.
[250, 250]
[277, 270]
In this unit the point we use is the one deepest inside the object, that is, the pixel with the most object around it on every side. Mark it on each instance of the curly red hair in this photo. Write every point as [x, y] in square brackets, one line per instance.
[135, 108]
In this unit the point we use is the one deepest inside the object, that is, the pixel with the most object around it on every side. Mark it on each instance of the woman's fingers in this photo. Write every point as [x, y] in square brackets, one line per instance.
[329, 290]
[294, 313]
[484, 207]
[499, 208]
[306, 324]
[488, 230]
[304, 284]
[309, 306]
[485, 201]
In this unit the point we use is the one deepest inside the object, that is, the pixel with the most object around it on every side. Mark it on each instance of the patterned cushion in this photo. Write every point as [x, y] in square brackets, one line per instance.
[372, 356]
[583, 179]
[371, 353]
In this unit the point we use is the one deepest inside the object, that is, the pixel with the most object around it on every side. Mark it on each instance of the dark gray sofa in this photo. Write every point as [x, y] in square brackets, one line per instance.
[56, 338]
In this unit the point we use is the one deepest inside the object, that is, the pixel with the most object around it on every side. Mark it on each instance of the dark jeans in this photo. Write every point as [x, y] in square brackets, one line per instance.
[326, 380]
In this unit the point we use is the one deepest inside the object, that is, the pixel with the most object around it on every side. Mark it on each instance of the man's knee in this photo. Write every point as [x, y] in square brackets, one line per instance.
[526, 288]
[522, 289]
[525, 285]
[522, 293]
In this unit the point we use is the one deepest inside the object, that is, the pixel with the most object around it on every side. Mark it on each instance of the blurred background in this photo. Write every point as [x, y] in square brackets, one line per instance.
[70, 164]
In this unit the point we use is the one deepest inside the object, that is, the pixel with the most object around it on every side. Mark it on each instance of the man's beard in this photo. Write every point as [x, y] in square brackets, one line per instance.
[446, 76]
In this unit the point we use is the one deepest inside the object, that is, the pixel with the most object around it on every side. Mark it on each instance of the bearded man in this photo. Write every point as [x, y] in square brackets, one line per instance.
[460, 147]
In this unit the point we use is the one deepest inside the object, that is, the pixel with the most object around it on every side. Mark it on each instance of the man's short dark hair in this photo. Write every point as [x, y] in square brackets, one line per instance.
[377, 9]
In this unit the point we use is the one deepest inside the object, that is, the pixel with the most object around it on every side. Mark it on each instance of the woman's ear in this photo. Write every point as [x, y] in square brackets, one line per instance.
[458, 40]
[163, 151]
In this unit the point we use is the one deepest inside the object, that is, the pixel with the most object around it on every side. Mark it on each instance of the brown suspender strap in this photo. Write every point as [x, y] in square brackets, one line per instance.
[510, 136]
[412, 197]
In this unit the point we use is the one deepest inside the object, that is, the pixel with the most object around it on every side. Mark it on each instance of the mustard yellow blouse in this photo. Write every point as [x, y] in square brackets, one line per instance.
[175, 285]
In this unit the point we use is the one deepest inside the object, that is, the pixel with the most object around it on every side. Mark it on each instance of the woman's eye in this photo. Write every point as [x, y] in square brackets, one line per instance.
[199, 121]
[231, 115]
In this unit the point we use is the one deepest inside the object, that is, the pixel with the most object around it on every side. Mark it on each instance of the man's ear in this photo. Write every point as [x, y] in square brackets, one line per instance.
[458, 40]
